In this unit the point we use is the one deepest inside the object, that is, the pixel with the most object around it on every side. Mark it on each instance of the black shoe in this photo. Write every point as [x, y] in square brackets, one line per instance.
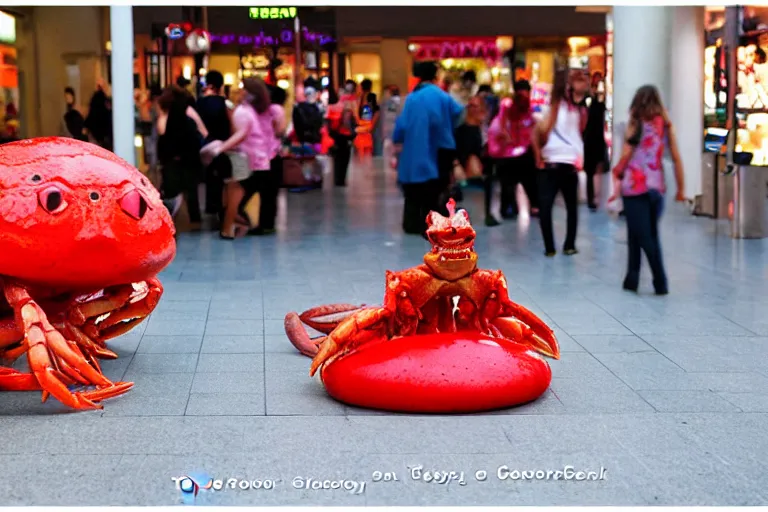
[593, 209]
[550, 254]
[661, 289]
[629, 286]
[570, 252]
[491, 222]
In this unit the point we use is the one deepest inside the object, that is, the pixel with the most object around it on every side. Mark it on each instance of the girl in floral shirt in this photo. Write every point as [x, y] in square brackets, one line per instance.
[642, 184]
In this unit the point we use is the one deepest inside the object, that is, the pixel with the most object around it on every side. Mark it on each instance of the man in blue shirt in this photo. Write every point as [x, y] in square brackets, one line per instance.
[425, 131]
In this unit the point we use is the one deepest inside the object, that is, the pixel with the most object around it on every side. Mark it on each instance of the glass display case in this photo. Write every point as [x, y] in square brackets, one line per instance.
[752, 98]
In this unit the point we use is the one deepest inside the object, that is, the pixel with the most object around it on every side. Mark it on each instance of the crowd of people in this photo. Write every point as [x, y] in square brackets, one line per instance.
[441, 136]
[446, 133]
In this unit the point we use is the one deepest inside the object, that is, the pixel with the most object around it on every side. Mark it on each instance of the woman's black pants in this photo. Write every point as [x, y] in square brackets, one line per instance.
[642, 217]
[552, 179]
[511, 171]
[341, 156]
[267, 184]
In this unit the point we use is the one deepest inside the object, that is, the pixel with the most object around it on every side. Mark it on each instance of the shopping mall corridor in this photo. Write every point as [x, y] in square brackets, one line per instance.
[668, 394]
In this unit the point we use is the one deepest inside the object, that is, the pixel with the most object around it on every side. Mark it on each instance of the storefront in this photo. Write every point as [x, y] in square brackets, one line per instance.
[9, 78]
[750, 102]
[484, 56]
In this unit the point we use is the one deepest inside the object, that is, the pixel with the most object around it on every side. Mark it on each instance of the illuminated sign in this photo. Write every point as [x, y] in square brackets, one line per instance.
[7, 28]
[261, 39]
[457, 50]
[272, 13]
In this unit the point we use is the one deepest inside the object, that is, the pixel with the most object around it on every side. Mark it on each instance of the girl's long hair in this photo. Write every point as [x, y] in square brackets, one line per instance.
[646, 104]
[258, 94]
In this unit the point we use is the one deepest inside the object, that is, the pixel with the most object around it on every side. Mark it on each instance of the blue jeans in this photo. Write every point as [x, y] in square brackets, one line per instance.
[657, 200]
[642, 215]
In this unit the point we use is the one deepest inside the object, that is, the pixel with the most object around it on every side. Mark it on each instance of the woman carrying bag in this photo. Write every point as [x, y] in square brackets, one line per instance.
[249, 153]
[641, 174]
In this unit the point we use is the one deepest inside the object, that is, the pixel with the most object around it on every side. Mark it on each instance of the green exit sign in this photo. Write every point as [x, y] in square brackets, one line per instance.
[272, 13]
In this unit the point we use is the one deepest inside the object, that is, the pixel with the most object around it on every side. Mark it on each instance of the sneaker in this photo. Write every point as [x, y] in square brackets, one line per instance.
[550, 254]
[571, 252]
[490, 221]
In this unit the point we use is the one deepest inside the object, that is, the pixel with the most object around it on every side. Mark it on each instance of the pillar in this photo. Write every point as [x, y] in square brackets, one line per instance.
[686, 102]
[123, 123]
[641, 41]
[395, 63]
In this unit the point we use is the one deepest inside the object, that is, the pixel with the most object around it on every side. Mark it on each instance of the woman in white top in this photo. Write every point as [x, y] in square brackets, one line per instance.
[558, 147]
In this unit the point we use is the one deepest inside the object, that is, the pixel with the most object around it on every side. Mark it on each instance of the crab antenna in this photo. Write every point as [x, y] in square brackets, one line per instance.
[451, 207]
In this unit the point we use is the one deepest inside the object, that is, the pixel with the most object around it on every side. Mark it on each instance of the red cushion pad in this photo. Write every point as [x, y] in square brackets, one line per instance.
[438, 373]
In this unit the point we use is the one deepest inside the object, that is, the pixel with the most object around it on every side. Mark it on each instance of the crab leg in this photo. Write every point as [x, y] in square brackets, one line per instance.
[54, 361]
[14, 380]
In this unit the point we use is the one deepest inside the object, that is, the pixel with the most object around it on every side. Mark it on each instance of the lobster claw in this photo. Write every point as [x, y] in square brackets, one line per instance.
[327, 317]
[362, 327]
[520, 332]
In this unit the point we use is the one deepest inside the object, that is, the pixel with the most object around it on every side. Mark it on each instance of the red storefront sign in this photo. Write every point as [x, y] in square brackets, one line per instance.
[457, 49]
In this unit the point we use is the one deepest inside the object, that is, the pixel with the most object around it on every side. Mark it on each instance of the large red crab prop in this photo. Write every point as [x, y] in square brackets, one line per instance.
[83, 236]
[447, 338]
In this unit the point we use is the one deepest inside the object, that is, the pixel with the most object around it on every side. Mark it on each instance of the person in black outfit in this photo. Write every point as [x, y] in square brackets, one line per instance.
[595, 147]
[271, 189]
[179, 143]
[469, 137]
[74, 122]
[342, 131]
[212, 108]
[99, 120]
[307, 116]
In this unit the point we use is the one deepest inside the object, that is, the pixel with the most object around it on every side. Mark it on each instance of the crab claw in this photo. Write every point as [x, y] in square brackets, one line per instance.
[327, 317]
[362, 327]
[328, 349]
[520, 332]
[298, 336]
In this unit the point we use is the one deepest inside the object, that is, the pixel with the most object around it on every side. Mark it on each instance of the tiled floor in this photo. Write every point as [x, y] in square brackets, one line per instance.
[669, 394]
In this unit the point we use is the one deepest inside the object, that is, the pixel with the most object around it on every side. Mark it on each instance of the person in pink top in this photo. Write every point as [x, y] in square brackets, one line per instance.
[509, 144]
[252, 143]
[273, 125]
[642, 182]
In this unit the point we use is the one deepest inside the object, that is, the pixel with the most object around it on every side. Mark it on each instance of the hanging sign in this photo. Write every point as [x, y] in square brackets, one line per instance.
[285, 38]
[458, 50]
[272, 13]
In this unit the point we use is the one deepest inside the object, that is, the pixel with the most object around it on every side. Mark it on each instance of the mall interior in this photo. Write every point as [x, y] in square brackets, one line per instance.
[669, 393]
[47, 49]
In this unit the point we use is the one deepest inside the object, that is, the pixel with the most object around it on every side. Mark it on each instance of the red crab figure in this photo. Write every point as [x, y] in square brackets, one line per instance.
[83, 237]
[447, 338]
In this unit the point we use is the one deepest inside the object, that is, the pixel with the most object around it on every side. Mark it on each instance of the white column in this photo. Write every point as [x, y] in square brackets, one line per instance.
[640, 56]
[123, 124]
[686, 102]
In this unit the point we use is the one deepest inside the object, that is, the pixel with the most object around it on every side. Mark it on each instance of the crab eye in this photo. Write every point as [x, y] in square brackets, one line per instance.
[134, 204]
[52, 200]
[36, 178]
[94, 196]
